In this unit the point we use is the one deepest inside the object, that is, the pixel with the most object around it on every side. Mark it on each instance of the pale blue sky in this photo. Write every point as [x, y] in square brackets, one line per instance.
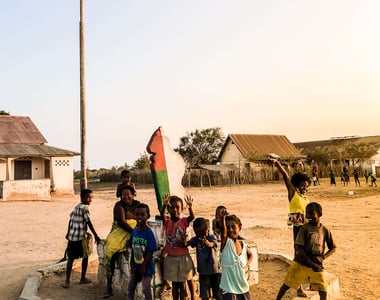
[309, 70]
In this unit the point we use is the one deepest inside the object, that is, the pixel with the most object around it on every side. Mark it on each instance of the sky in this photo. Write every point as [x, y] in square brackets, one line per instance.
[306, 69]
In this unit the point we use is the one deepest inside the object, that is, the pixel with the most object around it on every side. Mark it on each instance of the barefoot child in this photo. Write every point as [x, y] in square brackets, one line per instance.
[77, 246]
[208, 265]
[143, 245]
[236, 258]
[297, 187]
[178, 265]
[310, 245]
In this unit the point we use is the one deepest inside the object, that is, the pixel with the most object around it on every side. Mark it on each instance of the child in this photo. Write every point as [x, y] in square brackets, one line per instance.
[77, 245]
[297, 187]
[216, 227]
[207, 261]
[236, 258]
[310, 254]
[125, 177]
[178, 265]
[143, 245]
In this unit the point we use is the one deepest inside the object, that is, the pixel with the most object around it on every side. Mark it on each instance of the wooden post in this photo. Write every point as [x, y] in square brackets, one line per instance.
[83, 179]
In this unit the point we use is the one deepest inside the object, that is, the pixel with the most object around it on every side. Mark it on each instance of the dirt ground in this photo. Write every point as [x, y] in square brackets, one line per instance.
[32, 235]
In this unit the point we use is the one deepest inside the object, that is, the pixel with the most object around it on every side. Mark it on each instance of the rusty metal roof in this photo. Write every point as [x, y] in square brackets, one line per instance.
[258, 146]
[334, 144]
[25, 150]
[19, 130]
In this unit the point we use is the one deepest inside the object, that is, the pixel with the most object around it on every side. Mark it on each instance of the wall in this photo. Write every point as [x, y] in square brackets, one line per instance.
[62, 174]
[3, 170]
[232, 155]
[26, 190]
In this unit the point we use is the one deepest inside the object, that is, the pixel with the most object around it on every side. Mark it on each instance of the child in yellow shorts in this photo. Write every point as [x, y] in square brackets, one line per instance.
[310, 245]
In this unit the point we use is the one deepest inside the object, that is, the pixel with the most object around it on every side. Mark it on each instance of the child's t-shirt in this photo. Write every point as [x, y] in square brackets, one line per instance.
[176, 237]
[207, 258]
[313, 240]
[142, 242]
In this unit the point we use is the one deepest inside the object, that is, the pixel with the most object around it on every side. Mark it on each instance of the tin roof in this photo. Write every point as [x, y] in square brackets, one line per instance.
[259, 146]
[25, 150]
[334, 144]
[19, 130]
[19, 137]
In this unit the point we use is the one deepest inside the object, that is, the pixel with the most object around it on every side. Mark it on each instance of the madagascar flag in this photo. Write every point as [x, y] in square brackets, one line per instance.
[167, 167]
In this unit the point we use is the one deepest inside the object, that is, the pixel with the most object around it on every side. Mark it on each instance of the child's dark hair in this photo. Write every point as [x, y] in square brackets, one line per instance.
[127, 187]
[219, 208]
[145, 206]
[201, 222]
[125, 172]
[314, 206]
[297, 178]
[174, 199]
[84, 193]
[235, 219]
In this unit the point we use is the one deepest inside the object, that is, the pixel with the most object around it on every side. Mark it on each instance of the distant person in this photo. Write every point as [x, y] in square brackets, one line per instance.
[143, 245]
[332, 178]
[315, 177]
[126, 179]
[77, 236]
[346, 176]
[297, 187]
[208, 265]
[373, 179]
[124, 221]
[310, 244]
[235, 258]
[366, 175]
[356, 177]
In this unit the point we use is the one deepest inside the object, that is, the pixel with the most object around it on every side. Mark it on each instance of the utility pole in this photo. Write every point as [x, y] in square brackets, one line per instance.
[83, 165]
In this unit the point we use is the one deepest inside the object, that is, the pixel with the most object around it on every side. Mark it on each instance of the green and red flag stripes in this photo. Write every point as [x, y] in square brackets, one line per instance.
[167, 167]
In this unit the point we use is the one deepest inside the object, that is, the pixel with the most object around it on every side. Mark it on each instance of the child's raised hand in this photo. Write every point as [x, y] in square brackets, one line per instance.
[165, 200]
[189, 201]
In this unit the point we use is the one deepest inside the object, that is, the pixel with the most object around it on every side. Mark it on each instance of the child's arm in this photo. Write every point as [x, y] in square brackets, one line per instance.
[120, 217]
[97, 238]
[223, 235]
[165, 204]
[189, 202]
[147, 259]
[250, 257]
[290, 187]
[300, 252]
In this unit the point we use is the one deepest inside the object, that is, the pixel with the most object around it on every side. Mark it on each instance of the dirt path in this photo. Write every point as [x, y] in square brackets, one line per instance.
[32, 233]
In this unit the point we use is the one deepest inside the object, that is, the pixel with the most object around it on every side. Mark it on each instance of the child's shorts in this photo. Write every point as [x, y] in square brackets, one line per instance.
[297, 274]
[178, 268]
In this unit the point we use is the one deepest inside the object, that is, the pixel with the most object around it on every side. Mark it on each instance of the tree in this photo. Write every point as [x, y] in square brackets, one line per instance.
[201, 146]
[142, 163]
[4, 113]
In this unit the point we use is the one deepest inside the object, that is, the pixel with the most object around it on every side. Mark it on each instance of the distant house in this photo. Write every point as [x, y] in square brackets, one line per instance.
[29, 168]
[250, 152]
[349, 151]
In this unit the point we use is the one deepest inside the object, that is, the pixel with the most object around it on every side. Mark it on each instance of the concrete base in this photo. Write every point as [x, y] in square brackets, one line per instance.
[333, 292]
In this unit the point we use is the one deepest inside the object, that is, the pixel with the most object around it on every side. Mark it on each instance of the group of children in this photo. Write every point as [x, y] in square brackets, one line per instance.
[221, 277]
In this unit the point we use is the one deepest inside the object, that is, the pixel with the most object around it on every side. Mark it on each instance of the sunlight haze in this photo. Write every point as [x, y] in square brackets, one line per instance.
[309, 70]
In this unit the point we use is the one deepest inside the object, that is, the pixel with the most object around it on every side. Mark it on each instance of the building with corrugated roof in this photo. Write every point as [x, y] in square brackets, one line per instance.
[29, 168]
[347, 151]
[250, 153]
